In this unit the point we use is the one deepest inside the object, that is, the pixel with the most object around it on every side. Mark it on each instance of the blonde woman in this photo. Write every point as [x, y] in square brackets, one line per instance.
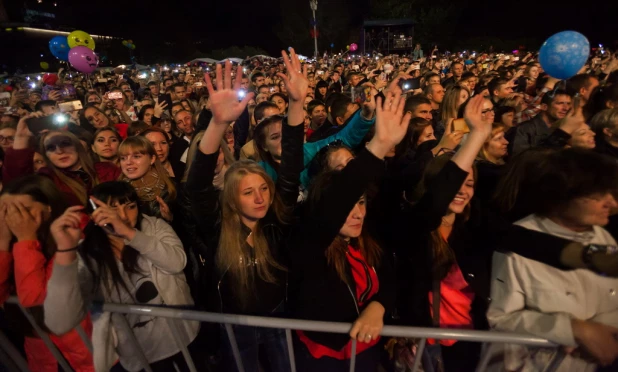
[141, 167]
[244, 225]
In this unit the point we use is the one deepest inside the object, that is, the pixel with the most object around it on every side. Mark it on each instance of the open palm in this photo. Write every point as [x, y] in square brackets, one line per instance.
[224, 103]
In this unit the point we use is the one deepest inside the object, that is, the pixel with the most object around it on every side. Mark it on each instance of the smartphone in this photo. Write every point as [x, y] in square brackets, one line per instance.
[51, 122]
[461, 125]
[70, 106]
[114, 95]
[409, 84]
[199, 84]
[107, 227]
[361, 94]
[320, 72]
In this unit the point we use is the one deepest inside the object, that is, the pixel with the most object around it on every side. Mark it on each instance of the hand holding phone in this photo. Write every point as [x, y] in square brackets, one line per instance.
[107, 227]
[46, 123]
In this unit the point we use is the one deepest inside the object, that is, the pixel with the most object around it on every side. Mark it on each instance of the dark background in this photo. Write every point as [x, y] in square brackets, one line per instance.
[177, 30]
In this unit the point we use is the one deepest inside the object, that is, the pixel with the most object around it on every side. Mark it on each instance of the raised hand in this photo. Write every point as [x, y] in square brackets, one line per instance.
[474, 116]
[391, 124]
[105, 215]
[159, 107]
[66, 228]
[296, 82]
[224, 103]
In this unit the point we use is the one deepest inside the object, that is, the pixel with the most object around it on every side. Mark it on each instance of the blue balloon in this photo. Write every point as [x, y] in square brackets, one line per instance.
[564, 54]
[332, 45]
[59, 47]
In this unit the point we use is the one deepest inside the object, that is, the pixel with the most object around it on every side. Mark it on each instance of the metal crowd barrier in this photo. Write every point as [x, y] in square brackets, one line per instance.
[19, 364]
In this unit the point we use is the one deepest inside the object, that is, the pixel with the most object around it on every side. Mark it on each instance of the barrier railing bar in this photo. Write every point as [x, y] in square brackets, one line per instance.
[45, 338]
[288, 338]
[183, 348]
[420, 349]
[82, 334]
[13, 354]
[232, 338]
[330, 327]
[353, 356]
[124, 324]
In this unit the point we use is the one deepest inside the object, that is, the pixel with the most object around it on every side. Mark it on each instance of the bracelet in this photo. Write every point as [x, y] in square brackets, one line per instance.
[66, 250]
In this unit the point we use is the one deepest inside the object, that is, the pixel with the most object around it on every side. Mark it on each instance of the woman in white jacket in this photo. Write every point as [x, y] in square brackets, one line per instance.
[125, 257]
[571, 198]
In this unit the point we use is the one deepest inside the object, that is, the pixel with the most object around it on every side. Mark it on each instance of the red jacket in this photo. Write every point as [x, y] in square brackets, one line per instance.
[32, 271]
[18, 163]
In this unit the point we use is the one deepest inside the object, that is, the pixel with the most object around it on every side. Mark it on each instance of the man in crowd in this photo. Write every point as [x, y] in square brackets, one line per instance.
[554, 106]
[457, 70]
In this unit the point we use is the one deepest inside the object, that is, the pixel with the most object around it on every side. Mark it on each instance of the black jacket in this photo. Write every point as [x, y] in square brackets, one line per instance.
[205, 205]
[316, 291]
[178, 148]
[414, 250]
[529, 134]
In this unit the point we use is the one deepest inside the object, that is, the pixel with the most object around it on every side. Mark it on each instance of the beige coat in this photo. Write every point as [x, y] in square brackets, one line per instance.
[530, 297]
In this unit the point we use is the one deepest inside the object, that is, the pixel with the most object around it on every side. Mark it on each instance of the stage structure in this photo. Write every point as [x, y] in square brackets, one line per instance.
[388, 36]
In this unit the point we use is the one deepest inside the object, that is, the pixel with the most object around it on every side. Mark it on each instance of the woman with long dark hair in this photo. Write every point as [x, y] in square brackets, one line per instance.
[442, 264]
[125, 257]
[28, 206]
[356, 283]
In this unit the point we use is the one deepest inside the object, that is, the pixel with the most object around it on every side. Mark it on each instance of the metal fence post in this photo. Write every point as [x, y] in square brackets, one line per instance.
[82, 334]
[124, 324]
[419, 354]
[13, 354]
[235, 351]
[353, 356]
[288, 337]
[45, 338]
[183, 348]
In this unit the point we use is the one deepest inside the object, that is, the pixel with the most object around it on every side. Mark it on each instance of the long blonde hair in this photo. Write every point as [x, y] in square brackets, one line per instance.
[231, 255]
[143, 146]
[195, 142]
[450, 103]
[83, 158]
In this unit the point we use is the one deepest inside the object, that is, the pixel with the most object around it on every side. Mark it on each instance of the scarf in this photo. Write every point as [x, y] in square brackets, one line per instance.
[149, 186]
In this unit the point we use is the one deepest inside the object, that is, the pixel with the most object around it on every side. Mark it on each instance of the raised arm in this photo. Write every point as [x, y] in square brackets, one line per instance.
[427, 214]
[66, 302]
[350, 184]
[292, 164]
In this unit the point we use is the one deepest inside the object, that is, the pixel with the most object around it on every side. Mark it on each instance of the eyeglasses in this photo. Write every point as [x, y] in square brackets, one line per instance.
[58, 142]
[488, 111]
[7, 138]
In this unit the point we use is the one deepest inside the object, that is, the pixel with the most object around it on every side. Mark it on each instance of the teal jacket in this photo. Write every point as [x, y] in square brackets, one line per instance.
[351, 135]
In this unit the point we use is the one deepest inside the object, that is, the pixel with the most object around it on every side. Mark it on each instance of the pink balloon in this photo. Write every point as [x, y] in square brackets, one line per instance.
[353, 47]
[83, 59]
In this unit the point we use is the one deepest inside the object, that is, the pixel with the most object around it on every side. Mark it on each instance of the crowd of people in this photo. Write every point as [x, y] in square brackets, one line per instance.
[461, 192]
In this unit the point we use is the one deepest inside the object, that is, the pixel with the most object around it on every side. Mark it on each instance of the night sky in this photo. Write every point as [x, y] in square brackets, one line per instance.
[242, 22]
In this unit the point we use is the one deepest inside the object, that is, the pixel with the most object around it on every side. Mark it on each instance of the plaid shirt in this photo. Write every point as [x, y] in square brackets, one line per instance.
[533, 107]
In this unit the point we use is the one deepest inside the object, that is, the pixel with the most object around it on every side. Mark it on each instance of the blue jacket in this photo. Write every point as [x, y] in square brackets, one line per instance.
[351, 135]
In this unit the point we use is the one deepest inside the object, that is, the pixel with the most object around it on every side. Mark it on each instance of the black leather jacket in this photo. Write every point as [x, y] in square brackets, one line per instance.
[205, 206]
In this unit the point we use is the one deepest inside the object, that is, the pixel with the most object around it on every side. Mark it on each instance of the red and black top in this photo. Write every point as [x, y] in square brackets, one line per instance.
[367, 285]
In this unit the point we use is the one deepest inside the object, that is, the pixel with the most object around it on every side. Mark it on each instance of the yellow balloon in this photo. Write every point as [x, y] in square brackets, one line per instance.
[44, 65]
[80, 38]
